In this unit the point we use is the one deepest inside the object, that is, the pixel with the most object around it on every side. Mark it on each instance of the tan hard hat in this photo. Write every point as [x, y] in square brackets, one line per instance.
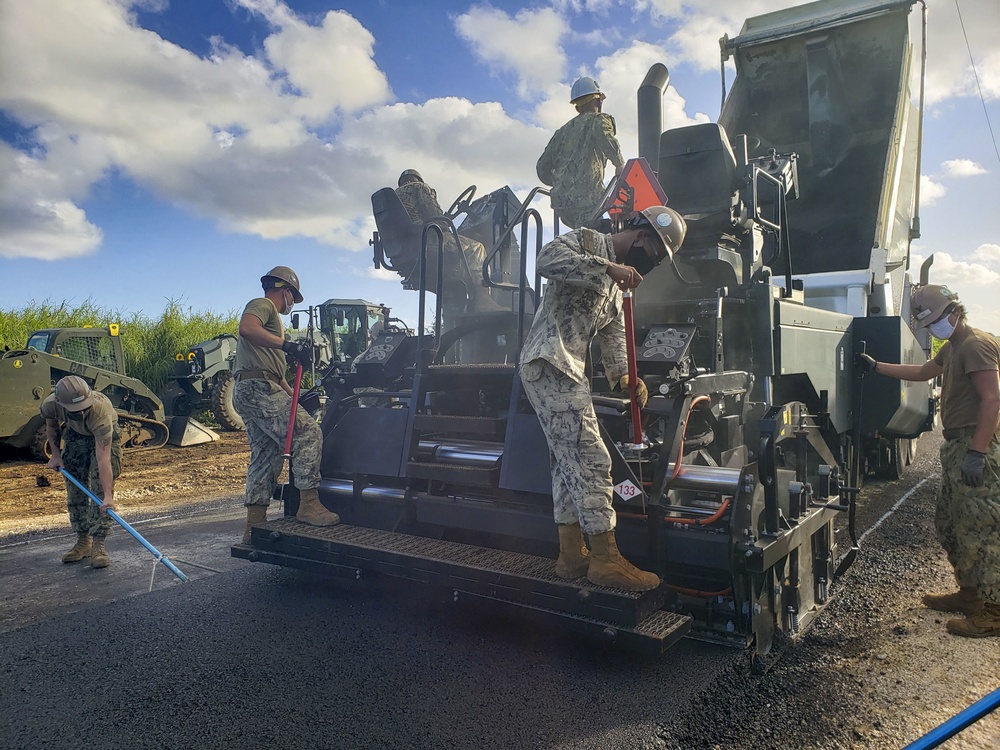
[669, 225]
[288, 276]
[929, 303]
[73, 393]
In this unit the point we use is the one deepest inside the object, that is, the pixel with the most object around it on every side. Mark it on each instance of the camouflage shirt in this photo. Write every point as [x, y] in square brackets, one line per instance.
[420, 201]
[581, 301]
[573, 162]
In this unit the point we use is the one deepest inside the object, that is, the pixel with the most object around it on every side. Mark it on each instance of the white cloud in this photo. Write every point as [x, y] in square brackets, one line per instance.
[988, 254]
[527, 44]
[957, 273]
[930, 191]
[963, 168]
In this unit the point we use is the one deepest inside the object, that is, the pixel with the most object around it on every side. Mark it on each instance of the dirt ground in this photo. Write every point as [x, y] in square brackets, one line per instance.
[151, 481]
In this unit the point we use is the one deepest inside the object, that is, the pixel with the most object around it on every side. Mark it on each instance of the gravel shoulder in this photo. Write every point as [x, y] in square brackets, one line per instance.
[163, 480]
[878, 669]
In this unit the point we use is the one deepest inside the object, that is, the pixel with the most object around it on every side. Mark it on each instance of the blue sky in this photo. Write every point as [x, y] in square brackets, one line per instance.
[176, 149]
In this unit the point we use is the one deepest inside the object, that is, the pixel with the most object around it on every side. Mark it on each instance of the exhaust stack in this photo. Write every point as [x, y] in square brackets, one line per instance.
[650, 113]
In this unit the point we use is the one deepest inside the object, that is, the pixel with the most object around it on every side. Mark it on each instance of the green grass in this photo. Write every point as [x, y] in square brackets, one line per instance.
[149, 343]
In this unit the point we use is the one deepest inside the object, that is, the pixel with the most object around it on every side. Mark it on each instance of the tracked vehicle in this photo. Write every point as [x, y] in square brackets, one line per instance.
[28, 375]
[799, 204]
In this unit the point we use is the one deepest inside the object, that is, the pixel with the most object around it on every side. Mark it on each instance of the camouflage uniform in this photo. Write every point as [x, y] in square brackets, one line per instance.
[265, 408]
[420, 202]
[573, 164]
[79, 456]
[968, 518]
[581, 301]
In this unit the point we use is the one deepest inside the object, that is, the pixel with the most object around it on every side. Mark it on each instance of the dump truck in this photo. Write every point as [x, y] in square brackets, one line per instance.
[800, 204]
[27, 377]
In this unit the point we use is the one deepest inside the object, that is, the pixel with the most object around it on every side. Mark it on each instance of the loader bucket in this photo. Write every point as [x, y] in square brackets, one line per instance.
[186, 431]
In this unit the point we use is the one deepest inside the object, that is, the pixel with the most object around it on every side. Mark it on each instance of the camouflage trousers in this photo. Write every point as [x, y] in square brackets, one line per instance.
[80, 460]
[265, 408]
[579, 460]
[968, 520]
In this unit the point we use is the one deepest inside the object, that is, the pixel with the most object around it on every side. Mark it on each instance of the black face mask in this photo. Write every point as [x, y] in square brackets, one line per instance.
[640, 260]
[76, 416]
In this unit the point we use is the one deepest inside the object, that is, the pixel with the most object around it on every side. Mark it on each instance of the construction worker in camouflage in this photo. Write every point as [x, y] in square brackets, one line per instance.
[421, 203]
[263, 398]
[91, 450]
[586, 273]
[573, 162]
[968, 509]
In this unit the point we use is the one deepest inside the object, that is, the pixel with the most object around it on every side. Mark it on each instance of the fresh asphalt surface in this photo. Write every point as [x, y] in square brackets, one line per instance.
[258, 656]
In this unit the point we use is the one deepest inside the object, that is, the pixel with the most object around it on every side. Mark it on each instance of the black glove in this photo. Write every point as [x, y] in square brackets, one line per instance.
[973, 467]
[867, 362]
[296, 351]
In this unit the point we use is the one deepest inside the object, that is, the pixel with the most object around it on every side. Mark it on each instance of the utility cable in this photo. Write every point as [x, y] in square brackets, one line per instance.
[979, 86]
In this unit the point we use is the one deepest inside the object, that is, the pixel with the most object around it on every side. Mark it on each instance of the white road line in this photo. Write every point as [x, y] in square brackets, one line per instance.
[895, 507]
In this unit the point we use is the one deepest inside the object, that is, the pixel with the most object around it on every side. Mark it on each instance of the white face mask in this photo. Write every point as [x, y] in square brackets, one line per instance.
[942, 329]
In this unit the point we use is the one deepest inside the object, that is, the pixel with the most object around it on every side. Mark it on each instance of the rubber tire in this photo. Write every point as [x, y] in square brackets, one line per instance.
[222, 403]
[895, 466]
[39, 448]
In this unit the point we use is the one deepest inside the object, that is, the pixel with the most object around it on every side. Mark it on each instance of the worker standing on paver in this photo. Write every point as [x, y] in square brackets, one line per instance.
[586, 273]
[263, 398]
[573, 162]
[90, 450]
[968, 509]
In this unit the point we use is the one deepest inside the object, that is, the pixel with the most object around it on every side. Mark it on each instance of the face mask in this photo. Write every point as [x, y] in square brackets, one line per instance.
[76, 416]
[286, 306]
[942, 329]
[639, 260]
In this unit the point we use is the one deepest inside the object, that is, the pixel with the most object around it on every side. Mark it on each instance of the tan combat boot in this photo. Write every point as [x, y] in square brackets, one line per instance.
[256, 515]
[80, 550]
[98, 555]
[312, 512]
[574, 559]
[983, 624]
[609, 568]
[966, 600]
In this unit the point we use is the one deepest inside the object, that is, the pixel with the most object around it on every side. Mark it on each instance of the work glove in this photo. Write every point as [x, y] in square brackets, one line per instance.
[867, 363]
[296, 351]
[641, 392]
[973, 467]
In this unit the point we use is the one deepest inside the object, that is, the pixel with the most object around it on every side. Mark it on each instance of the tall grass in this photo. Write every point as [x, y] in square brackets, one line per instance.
[149, 343]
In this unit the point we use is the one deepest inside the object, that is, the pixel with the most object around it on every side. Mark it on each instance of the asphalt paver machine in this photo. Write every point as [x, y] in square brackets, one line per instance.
[799, 204]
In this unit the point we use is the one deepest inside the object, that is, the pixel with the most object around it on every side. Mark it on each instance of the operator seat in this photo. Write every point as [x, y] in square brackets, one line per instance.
[399, 234]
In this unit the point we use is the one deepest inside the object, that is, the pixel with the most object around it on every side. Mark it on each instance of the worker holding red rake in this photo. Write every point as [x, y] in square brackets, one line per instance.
[264, 398]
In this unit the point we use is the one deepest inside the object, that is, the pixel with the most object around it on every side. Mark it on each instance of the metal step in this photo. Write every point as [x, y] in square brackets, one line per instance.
[448, 372]
[447, 423]
[467, 476]
[498, 575]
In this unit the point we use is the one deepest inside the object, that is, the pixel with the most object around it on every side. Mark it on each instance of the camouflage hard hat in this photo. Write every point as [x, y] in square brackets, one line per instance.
[281, 276]
[73, 393]
[669, 225]
[930, 301]
[408, 173]
[584, 89]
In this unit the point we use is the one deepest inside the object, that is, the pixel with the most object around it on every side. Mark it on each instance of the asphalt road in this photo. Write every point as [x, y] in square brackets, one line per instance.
[257, 656]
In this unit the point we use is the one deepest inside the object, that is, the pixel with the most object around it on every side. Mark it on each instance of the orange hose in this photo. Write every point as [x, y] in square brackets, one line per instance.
[680, 447]
[693, 521]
